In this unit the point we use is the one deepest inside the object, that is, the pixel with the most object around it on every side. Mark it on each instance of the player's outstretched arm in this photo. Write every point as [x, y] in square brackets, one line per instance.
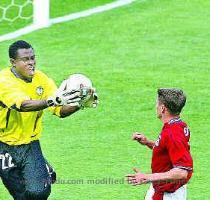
[33, 105]
[37, 105]
[61, 98]
[68, 110]
[142, 139]
[174, 174]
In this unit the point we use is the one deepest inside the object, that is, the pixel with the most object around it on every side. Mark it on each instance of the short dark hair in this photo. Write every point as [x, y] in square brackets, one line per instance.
[173, 99]
[20, 44]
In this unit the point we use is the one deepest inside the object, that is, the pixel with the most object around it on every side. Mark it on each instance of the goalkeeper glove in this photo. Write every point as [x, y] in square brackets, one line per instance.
[65, 97]
[91, 101]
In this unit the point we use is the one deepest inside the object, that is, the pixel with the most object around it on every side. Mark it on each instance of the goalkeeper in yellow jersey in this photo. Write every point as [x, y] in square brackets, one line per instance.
[24, 93]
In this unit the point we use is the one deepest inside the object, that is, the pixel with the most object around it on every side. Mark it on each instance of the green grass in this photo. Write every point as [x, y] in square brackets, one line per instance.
[128, 53]
[65, 7]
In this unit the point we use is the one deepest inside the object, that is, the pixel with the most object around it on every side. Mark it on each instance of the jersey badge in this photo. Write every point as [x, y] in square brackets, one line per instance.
[39, 90]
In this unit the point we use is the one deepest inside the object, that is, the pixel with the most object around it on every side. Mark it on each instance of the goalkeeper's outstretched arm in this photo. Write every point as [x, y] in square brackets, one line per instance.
[68, 110]
[69, 101]
[64, 97]
[33, 105]
[37, 105]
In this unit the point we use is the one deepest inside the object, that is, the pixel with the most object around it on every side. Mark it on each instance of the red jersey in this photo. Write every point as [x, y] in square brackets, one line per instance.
[171, 150]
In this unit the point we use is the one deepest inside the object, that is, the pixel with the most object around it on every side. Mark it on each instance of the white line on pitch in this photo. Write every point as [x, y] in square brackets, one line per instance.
[91, 11]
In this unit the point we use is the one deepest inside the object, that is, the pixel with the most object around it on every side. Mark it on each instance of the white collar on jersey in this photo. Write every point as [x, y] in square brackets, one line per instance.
[176, 119]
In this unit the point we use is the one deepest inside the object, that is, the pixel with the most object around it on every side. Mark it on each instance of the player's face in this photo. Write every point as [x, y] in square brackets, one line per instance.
[25, 63]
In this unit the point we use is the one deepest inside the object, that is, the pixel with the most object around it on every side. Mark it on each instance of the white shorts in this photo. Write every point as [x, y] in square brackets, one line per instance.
[180, 194]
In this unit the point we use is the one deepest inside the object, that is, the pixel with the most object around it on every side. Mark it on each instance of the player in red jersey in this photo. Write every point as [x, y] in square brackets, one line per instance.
[172, 163]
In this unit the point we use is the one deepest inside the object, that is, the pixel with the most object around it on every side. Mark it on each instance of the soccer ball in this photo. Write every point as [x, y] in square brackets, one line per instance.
[78, 81]
[81, 83]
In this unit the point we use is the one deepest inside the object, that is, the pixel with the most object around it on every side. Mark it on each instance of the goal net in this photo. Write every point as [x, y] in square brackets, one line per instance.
[12, 10]
[20, 17]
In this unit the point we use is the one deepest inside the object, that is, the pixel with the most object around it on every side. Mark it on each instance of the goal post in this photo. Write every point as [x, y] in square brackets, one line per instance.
[41, 13]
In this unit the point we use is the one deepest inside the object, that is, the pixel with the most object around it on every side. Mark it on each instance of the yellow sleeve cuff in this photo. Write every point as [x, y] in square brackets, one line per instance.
[55, 110]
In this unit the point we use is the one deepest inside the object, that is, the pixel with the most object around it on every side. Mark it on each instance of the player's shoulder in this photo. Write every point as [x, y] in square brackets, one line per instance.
[176, 129]
[178, 125]
[41, 74]
[6, 75]
[43, 78]
[5, 71]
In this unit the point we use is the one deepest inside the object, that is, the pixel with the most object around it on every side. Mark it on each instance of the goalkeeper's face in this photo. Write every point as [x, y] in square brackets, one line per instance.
[25, 63]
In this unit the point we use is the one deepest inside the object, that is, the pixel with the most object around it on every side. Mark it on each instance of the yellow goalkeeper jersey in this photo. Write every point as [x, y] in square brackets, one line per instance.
[17, 127]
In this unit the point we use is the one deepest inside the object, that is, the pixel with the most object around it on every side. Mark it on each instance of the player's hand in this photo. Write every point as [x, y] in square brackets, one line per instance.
[92, 100]
[140, 138]
[138, 178]
[65, 97]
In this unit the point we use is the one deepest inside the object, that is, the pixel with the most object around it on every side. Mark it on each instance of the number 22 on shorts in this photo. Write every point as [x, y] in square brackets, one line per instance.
[6, 161]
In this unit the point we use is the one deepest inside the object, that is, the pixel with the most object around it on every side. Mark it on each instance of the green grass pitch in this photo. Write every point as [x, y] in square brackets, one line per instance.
[128, 52]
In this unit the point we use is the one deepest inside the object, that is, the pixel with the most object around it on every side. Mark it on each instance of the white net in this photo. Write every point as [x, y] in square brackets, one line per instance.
[11, 10]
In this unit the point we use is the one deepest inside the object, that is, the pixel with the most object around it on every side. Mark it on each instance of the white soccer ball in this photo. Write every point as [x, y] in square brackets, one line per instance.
[78, 81]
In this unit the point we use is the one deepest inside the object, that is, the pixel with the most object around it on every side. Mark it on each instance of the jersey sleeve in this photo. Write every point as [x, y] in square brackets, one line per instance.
[177, 145]
[50, 91]
[11, 95]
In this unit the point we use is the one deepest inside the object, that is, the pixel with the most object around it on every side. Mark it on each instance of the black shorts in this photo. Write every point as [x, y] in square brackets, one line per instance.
[24, 172]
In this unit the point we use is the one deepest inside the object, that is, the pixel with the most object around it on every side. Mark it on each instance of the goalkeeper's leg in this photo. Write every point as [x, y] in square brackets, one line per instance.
[36, 176]
[28, 178]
